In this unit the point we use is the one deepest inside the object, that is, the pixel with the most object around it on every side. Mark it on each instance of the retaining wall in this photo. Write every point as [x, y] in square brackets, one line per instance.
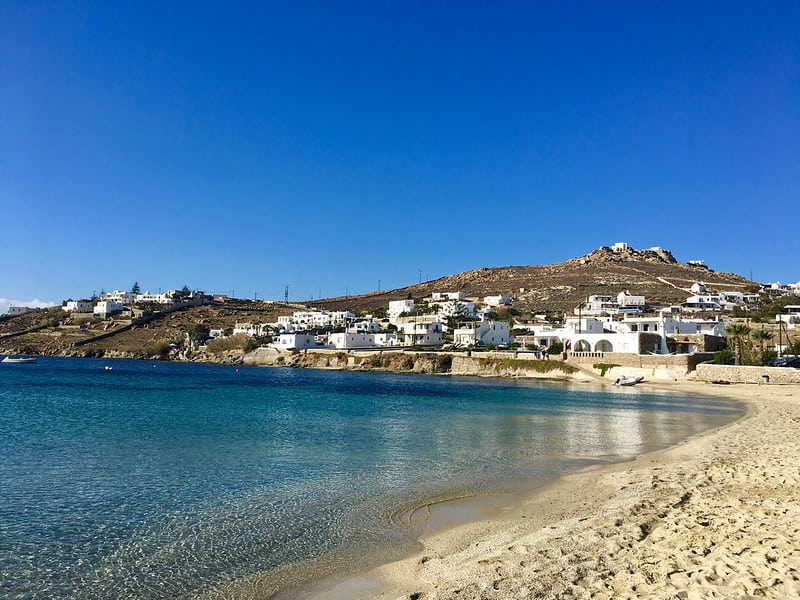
[709, 372]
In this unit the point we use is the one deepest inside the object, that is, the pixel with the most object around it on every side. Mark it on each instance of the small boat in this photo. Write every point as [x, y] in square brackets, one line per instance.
[629, 380]
[20, 360]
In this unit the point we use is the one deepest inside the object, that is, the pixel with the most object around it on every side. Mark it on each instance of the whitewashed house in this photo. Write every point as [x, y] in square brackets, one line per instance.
[295, 341]
[120, 297]
[439, 296]
[456, 308]
[398, 307]
[697, 263]
[341, 317]
[702, 303]
[421, 334]
[351, 340]
[630, 303]
[364, 326]
[698, 288]
[148, 298]
[20, 310]
[483, 333]
[496, 300]
[105, 308]
[78, 306]
[790, 314]
[597, 304]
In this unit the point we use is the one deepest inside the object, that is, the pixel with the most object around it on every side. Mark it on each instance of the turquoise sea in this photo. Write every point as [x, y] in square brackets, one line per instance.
[162, 480]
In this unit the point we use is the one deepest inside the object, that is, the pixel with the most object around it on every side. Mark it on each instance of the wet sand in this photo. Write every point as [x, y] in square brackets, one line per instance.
[717, 516]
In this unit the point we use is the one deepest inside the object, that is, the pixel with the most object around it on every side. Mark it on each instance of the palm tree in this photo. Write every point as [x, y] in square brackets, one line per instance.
[737, 332]
[761, 337]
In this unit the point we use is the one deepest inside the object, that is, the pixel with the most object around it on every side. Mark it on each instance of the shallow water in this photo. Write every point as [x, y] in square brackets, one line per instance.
[157, 480]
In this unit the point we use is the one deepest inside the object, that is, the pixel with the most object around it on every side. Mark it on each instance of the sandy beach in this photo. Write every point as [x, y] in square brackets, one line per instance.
[717, 516]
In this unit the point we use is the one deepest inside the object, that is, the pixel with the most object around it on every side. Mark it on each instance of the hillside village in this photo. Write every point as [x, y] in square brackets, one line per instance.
[619, 322]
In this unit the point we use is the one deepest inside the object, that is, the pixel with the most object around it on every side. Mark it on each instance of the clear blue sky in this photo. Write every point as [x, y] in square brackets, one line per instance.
[328, 146]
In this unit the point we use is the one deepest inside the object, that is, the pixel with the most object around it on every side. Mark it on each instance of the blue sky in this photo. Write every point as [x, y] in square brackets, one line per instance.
[330, 146]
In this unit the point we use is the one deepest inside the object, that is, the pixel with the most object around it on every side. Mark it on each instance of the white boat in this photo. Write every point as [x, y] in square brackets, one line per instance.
[21, 360]
[629, 380]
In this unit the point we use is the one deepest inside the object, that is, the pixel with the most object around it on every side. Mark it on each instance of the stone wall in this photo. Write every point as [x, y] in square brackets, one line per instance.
[663, 367]
[709, 372]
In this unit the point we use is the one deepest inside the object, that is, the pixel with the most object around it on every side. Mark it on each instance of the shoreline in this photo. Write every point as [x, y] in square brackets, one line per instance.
[631, 528]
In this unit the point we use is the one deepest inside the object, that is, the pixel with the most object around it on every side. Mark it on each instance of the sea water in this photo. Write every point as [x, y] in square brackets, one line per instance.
[165, 480]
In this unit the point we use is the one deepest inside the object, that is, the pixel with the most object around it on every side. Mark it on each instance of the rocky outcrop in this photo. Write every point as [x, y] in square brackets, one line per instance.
[441, 363]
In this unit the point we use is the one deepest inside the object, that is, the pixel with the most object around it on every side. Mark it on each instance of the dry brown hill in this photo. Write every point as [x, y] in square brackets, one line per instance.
[654, 274]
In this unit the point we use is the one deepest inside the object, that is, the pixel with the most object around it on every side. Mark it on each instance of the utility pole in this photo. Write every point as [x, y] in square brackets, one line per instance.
[286, 294]
[420, 275]
[379, 285]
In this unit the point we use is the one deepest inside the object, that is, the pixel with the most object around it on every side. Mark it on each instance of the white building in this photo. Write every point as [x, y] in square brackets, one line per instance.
[591, 334]
[703, 303]
[364, 326]
[295, 341]
[148, 298]
[398, 307]
[496, 300]
[20, 310]
[629, 302]
[78, 306]
[421, 334]
[341, 317]
[697, 263]
[483, 333]
[104, 308]
[620, 247]
[120, 297]
[597, 305]
[698, 288]
[732, 297]
[456, 308]
[356, 340]
[447, 296]
[790, 314]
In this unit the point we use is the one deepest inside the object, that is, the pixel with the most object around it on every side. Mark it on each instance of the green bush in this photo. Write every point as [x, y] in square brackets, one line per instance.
[556, 348]
[767, 356]
[724, 357]
[604, 367]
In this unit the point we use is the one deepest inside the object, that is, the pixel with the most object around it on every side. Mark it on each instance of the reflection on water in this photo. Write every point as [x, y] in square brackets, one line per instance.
[167, 480]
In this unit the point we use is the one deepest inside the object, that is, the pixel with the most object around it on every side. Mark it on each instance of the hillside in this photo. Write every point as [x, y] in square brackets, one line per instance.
[546, 288]
[560, 287]
[137, 340]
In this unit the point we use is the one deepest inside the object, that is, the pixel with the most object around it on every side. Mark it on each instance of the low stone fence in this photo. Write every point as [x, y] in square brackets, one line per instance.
[709, 372]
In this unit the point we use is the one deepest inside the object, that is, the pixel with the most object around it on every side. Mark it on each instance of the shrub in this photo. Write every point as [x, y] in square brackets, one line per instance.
[767, 356]
[604, 367]
[556, 348]
[793, 348]
[159, 349]
[240, 341]
[724, 357]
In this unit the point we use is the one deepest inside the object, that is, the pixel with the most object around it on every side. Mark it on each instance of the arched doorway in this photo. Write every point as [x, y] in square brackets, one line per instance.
[603, 346]
[581, 346]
